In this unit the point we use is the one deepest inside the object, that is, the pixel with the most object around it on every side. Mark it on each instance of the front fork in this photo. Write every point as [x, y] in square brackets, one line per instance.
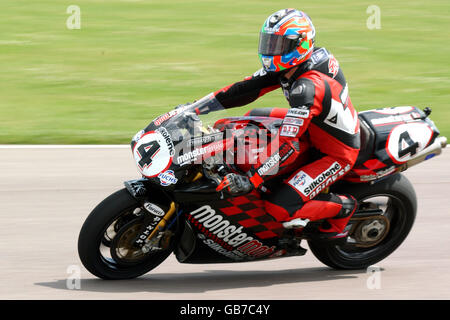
[154, 231]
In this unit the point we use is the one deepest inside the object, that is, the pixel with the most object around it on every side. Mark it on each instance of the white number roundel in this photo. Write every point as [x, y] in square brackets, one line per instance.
[152, 154]
[406, 140]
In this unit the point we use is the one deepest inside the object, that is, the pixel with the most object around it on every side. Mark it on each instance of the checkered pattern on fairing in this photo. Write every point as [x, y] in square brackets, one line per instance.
[248, 211]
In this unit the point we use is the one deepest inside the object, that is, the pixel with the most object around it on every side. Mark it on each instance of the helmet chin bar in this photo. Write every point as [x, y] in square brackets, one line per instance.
[267, 64]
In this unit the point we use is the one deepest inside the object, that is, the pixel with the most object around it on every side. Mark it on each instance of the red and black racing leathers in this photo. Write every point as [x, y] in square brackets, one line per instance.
[321, 108]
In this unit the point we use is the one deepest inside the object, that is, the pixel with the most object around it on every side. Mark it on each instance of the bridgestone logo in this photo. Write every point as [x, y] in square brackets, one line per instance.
[227, 238]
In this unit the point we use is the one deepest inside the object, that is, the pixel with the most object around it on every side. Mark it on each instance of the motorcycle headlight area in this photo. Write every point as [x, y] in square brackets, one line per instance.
[153, 153]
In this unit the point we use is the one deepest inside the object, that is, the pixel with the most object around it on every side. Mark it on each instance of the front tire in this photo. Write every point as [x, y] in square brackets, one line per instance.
[401, 208]
[117, 209]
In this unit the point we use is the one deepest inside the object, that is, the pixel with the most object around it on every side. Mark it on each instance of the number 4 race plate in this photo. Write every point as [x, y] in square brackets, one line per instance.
[153, 154]
[406, 140]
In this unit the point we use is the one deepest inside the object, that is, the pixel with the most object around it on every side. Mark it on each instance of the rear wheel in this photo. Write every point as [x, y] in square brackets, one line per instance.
[106, 241]
[373, 239]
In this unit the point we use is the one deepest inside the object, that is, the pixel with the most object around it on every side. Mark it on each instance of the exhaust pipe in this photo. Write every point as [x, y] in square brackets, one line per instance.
[429, 152]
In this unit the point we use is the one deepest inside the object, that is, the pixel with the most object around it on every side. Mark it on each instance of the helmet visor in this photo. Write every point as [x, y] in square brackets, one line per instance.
[274, 44]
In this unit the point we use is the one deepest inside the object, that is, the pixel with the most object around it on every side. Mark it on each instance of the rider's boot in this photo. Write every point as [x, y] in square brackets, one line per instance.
[334, 229]
[292, 239]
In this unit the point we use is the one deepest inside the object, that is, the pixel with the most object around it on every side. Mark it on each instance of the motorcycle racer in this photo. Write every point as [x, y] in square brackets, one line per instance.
[317, 92]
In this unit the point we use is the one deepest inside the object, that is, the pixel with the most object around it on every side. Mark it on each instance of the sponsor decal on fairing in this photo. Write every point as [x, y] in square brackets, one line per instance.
[138, 135]
[158, 121]
[227, 238]
[193, 155]
[378, 174]
[168, 139]
[154, 209]
[167, 178]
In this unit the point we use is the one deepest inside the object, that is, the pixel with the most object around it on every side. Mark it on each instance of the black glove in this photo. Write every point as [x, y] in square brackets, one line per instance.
[236, 184]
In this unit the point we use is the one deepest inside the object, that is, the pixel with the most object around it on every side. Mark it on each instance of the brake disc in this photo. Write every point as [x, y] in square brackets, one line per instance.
[370, 231]
[122, 248]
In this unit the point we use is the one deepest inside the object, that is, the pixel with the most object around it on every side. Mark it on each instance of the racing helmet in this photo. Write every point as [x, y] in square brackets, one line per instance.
[286, 40]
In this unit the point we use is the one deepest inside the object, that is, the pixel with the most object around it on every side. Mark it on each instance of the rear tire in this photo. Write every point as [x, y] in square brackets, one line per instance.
[403, 203]
[92, 234]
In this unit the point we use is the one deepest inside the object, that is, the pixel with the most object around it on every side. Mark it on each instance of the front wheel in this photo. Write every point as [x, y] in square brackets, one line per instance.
[372, 240]
[105, 243]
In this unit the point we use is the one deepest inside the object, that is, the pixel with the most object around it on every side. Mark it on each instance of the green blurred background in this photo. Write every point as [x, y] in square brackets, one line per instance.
[132, 60]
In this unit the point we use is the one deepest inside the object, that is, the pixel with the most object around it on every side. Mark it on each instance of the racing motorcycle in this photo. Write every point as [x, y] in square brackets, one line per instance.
[175, 208]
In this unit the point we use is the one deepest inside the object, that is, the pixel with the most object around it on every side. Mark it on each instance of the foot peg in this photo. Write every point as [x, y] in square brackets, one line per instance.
[296, 223]
[292, 246]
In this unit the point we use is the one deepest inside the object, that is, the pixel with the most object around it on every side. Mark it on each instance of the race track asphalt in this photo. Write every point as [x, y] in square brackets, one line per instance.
[45, 195]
